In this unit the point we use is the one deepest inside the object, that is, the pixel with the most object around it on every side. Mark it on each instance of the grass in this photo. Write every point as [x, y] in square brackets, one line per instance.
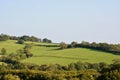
[49, 55]
[10, 46]
[45, 55]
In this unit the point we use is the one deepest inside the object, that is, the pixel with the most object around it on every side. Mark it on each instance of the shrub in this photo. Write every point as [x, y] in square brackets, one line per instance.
[3, 51]
[20, 41]
[11, 77]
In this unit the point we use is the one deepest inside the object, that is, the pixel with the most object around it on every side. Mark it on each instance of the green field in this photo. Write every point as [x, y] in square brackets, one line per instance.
[50, 55]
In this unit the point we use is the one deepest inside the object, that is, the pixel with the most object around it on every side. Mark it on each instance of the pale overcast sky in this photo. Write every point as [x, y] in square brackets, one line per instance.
[62, 20]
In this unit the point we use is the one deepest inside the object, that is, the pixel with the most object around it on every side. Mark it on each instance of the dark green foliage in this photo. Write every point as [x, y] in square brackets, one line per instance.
[29, 38]
[110, 73]
[49, 41]
[9, 60]
[20, 41]
[73, 44]
[55, 45]
[4, 37]
[45, 40]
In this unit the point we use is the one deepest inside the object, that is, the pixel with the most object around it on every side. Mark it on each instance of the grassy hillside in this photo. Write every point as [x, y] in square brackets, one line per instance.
[10, 46]
[49, 55]
[43, 55]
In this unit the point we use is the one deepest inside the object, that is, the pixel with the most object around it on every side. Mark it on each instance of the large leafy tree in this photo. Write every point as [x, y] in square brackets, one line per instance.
[73, 44]
[63, 45]
[45, 40]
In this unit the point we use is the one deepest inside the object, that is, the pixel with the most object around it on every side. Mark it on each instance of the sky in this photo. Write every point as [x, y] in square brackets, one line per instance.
[62, 20]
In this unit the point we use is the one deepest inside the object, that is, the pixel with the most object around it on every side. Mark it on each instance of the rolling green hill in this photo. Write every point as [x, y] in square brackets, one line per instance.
[50, 55]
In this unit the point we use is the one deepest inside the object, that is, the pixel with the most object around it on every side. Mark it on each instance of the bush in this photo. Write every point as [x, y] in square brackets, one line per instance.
[11, 77]
[20, 41]
[3, 51]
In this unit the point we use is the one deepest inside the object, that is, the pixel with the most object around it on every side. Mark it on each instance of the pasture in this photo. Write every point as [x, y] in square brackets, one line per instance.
[50, 55]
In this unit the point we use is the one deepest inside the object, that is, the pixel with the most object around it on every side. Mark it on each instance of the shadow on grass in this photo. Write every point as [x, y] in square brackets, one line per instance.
[103, 51]
[61, 57]
[55, 49]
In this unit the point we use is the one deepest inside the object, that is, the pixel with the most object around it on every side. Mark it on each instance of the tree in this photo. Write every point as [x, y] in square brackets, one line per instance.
[63, 45]
[34, 39]
[25, 38]
[27, 50]
[45, 40]
[73, 44]
[49, 41]
[3, 51]
[85, 44]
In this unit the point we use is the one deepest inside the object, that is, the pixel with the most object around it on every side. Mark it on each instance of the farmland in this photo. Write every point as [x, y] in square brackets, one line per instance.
[50, 55]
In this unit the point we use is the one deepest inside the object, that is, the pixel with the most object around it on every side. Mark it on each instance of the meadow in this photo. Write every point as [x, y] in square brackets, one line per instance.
[50, 55]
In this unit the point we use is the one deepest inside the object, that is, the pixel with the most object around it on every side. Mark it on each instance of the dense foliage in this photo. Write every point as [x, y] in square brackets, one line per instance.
[13, 69]
[20, 41]
[45, 40]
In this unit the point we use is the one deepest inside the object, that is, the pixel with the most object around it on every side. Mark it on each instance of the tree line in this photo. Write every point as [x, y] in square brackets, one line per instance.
[4, 37]
[112, 48]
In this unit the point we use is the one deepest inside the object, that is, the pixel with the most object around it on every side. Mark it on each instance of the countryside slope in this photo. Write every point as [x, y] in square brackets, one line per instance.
[50, 55]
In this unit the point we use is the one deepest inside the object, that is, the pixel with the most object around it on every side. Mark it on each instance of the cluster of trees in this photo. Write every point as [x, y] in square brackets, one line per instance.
[29, 38]
[4, 37]
[45, 40]
[13, 69]
[39, 75]
[112, 48]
